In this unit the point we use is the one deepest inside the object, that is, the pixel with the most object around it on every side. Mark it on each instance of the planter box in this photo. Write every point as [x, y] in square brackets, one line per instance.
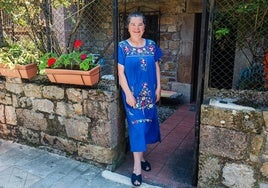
[76, 77]
[20, 71]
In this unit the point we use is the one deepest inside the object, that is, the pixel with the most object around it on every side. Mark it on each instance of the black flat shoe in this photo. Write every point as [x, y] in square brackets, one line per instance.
[145, 165]
[136, 180]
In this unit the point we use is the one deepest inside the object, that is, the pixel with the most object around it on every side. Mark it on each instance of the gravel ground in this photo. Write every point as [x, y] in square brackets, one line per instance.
[164, 111]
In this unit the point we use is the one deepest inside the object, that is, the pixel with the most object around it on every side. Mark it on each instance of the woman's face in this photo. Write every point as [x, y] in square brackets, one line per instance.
[136, 27]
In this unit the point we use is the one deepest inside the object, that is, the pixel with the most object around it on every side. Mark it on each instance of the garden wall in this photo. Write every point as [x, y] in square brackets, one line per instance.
[82, 122]
[233, 146]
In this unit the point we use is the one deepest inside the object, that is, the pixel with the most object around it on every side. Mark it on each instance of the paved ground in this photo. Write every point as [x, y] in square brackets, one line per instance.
[26, 167]
[172, 162]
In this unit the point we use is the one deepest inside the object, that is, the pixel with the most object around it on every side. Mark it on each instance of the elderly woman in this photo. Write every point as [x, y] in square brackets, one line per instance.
[139, 78]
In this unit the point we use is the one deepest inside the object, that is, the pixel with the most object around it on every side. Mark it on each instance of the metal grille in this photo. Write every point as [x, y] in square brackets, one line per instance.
[238, 44]
[54, 28]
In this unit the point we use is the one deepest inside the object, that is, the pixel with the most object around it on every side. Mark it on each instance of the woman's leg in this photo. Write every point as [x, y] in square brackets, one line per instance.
[138, 156]
[137, 167]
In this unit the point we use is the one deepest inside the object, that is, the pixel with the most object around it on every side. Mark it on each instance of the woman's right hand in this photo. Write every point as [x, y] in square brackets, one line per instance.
[130, 99]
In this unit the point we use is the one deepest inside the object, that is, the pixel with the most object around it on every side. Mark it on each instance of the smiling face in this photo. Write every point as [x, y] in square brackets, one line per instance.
[136, 27]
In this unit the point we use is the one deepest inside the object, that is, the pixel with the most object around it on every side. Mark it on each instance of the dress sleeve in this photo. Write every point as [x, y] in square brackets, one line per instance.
[158, 53]
[121, 55]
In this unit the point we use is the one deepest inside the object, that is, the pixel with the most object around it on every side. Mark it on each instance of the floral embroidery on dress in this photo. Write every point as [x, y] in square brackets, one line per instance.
[151, 48]
[147, 50]
[140, 51]
[143, 64]
[143, 99]
[141, 121]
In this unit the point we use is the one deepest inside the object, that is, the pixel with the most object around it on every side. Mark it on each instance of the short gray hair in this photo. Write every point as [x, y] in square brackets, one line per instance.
[136, 14]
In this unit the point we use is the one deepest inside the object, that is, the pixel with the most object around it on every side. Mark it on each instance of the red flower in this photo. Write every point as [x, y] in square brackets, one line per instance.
[83, 56]
[78, 44]
[51, 61]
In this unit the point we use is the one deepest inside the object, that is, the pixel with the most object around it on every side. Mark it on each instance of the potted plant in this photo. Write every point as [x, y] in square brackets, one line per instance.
[76, 67]
[19, 59]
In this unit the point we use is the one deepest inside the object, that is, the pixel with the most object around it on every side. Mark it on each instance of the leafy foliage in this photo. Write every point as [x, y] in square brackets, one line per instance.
[36, 15]
[250, 20]
[22, 53]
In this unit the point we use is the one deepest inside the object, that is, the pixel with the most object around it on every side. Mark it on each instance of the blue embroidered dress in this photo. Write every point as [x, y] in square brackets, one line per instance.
[140, 71]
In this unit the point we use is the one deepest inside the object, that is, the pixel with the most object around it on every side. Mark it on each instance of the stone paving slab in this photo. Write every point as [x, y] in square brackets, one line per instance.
[27, 167]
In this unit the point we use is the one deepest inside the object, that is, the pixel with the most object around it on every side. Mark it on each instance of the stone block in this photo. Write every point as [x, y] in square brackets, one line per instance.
[10, 115]
[59, 143]
[43, 105]
[97, 153]
[2, 114]
[169, 66]
[256, 145]
[32, 90]
[241, 120]
[14, 88]
[77, 129]
[53, 92]
[65, 109]
[78, 109]
[172, 28]
[24, 102]
[15, 99]
[176, 37]
[174, 45]
[164, 45]
[265, 149]
[238, 175]
[101, 95]
[101, 133]
[264, 169]
[31, 120]
[209, 171]
[265, 117]
[166, 36]
[194, 6]
[96, 109]
[74, 95]
[223, 142]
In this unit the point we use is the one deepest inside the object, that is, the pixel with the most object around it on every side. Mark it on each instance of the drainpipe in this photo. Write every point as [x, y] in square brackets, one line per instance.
[200, 88]
[115, 35]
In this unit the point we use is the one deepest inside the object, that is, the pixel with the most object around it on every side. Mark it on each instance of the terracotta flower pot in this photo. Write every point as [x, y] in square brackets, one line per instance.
[20, 71]
[76, 77]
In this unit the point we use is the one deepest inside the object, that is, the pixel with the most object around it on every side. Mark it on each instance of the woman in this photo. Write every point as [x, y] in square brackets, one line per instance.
[139, 78]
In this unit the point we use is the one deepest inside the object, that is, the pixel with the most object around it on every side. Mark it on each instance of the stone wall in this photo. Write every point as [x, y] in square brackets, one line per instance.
[233, 147]
[86, 123]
